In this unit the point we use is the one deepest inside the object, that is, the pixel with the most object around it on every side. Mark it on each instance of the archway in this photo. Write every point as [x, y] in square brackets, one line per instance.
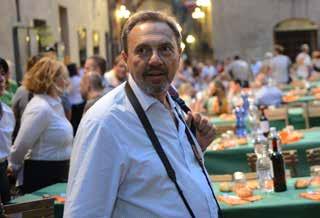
[292, 33]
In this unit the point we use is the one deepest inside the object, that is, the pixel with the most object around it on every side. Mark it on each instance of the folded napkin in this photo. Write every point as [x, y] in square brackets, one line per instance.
[235, 200]
[314, 195]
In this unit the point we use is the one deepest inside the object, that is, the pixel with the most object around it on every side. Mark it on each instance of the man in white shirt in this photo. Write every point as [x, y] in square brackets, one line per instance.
[115, 169]
[239, 70]
[280, 65]
[304, 63]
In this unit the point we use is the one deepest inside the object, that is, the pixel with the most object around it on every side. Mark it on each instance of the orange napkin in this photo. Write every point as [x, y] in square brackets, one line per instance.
[315, 196]
[289, 98]
[287, 138]
[235, 200]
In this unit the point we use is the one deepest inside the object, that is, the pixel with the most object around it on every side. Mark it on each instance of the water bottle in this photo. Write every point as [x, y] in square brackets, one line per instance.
[263, 164]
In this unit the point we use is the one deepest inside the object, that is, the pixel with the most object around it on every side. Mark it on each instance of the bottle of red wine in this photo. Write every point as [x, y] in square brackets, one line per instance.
[264, 122]
[279, 175]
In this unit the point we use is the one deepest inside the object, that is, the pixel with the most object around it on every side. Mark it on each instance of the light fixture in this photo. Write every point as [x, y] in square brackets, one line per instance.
[203, 3]
[37, 37]
[123, 12]
[197, 13]
[27, 38]
[190, 39]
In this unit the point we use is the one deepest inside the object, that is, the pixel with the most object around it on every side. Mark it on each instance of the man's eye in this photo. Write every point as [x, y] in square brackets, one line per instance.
[142, 51]
[166, 49]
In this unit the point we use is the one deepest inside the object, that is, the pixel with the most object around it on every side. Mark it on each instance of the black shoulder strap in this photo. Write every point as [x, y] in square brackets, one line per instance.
[155, 142]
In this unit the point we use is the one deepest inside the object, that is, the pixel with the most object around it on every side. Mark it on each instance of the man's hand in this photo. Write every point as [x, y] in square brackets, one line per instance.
[206, 132]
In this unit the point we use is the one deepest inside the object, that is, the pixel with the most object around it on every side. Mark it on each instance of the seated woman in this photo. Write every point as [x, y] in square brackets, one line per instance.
[217, 102]
[6, 129]
[42, 148]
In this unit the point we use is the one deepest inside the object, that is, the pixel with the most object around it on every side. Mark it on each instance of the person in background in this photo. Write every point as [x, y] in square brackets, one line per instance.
[217, 102]
[117, 75]
[268, 94]
[92, 88]
[6, 129]
[41, 151]
[315, 75]
[96, 64]
[208, 71]
[74, 96]
[255, 67]
[234, 94]
[303, 62]
[11, 86]
[280, 66]
[114, 160]
[239, 70]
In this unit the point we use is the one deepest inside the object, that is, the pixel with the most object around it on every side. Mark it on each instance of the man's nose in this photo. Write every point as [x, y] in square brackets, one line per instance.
[155, 59]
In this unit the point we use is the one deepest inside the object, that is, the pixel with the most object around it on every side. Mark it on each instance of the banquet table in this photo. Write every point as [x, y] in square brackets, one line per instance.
[286, 204]
[234, 159]
[275, 205]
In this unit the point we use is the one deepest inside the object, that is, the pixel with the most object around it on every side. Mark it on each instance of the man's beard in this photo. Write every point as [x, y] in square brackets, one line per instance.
[151, 88]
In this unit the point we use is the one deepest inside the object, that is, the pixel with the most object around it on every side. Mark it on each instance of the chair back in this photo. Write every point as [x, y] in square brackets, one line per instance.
[290, 158]
[43, 208]
[304, 107]
[313, 156]
[280, 113]
[313, 110]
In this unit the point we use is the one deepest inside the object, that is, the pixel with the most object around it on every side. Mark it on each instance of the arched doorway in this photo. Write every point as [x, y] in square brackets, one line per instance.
[294, 32]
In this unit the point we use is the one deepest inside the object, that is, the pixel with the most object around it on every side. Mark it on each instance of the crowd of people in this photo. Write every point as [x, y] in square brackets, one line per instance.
[215, 87]
[39, 119]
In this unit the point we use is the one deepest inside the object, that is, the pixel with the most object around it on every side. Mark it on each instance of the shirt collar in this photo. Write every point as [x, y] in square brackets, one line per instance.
[146, 100]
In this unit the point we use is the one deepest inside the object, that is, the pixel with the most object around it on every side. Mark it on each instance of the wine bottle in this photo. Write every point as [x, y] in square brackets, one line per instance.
[279, 175]
[264, 122]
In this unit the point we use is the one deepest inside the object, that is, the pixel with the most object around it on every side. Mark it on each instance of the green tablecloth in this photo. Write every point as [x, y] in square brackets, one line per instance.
[57, 189]
[234, 159]
[275, 205]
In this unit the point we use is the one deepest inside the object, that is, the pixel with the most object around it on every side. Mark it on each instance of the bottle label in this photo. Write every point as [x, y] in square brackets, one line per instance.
[264, 126]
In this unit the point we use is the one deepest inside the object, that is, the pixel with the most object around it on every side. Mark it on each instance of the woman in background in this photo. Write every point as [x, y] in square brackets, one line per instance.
[6, 129]
[217, 102]
[41, 151]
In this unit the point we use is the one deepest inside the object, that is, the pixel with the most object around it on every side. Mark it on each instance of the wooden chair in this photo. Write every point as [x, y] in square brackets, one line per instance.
[313, 112]
[305, 111]
[34, 209]
[280, 113]
[221, 178]
[290, 158]
[313, 156]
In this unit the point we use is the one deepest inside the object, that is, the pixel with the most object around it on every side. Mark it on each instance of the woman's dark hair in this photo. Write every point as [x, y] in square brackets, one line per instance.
[4, 65]
[72, 69]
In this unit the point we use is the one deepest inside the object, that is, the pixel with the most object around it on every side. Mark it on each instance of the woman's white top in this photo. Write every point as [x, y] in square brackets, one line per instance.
[45, 132]
[7, 123]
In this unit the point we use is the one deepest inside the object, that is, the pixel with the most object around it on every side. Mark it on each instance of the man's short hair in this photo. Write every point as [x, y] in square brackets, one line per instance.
[101, 62]
[148, 16]
[279, 49]
[95, 81]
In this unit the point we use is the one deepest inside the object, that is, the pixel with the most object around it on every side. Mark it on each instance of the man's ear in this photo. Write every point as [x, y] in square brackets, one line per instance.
[124, 56]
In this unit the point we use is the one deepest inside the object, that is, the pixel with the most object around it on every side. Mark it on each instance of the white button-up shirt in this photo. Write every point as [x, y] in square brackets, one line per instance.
[116, 172]
[44, 134]
[6, 128]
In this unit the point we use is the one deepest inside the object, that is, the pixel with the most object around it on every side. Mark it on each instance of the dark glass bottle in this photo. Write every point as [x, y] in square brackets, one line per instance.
[264, 122]
[279, 175]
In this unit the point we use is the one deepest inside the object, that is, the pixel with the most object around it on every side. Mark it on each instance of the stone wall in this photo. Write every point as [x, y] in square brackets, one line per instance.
[246, 27]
